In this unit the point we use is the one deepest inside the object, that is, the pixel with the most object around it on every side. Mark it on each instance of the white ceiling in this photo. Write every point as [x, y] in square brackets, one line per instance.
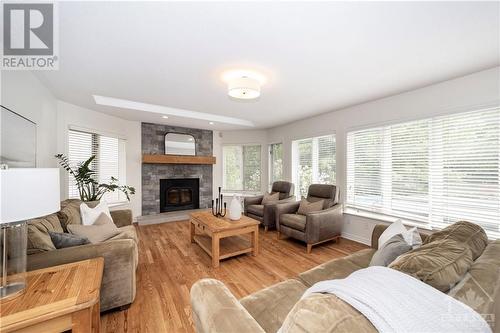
[317, 57]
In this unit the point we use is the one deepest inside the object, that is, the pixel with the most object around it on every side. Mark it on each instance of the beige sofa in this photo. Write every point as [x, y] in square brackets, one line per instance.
[120, 253]
[215, 309]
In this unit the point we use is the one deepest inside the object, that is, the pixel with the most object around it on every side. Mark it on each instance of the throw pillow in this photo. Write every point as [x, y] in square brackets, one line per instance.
[270, 198]
[306, 207]
[411, 236]
[441, 263]
[102, 230]
[62, 240]
[38, 233]
[90, 215]
[391, 249]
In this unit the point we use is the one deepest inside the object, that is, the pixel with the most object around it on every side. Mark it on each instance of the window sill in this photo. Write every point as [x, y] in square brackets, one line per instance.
[241, 194]
[385, 218]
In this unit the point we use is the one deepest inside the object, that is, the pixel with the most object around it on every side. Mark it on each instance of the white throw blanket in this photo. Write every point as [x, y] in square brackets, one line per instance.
[396, 302]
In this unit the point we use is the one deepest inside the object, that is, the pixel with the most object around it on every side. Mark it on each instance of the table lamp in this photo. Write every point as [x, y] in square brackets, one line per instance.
[25, 193]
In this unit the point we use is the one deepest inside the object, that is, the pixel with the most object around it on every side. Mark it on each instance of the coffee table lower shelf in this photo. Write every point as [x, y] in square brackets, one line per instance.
[228, 247]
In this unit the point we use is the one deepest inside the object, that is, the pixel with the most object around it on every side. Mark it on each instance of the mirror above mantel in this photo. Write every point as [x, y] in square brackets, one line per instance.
[180, 144]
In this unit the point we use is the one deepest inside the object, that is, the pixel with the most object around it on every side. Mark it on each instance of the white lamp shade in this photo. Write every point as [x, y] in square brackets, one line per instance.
[28, 193]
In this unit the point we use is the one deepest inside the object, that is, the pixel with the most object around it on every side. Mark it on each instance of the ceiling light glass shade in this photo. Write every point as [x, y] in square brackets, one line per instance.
[244, 88]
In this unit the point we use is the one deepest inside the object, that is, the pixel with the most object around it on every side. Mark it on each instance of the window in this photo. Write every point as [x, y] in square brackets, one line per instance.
[109, 161]
[275, 162]
[313, 162]
[241, 167]
[437, 171]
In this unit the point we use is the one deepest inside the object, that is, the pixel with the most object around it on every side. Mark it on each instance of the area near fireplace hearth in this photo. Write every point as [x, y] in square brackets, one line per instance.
[168, 184]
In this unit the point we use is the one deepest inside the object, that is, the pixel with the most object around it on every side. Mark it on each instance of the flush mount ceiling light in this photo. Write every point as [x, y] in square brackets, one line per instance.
[243, 88]
[243, 84]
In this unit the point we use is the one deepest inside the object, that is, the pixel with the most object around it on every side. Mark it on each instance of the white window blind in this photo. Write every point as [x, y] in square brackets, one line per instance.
[313, 162]
[241, 167]
[438, 170]
[275, 162]
[109, 161]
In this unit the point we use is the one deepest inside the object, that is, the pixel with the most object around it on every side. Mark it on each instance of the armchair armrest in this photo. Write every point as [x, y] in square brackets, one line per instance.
[324, 224]
[285, 208]
[256, 200]
[122, 217]
[216, 310]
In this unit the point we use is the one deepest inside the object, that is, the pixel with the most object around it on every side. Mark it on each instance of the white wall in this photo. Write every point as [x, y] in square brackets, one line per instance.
[24, 94]
[71, 115]
[461, 94]
[242, 137]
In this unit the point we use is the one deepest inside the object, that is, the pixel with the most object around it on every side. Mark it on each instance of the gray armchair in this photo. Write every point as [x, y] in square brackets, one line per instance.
[266, 213]
[315, 227]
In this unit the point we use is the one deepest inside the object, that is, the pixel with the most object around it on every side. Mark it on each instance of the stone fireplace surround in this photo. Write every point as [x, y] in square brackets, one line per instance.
[153, 142]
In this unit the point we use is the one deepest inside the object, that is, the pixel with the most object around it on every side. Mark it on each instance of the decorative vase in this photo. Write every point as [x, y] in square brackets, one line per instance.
[235, 209]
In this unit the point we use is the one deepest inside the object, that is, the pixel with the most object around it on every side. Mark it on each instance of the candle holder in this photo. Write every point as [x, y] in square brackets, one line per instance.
[217, 208]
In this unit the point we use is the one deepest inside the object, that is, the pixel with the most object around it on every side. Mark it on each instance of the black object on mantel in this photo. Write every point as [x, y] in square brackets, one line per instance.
[218, 206]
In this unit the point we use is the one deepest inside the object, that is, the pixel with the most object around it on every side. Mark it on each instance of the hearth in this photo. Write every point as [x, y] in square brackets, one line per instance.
[179, 194]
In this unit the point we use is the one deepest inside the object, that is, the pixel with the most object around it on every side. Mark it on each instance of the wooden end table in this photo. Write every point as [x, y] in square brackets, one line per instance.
[222, 238]
[56, 299]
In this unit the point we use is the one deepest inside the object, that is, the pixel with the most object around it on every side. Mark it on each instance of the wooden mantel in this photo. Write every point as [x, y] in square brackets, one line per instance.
[177, 159]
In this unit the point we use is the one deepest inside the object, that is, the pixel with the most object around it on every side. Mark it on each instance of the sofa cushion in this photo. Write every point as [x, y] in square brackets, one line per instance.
[467, 233]
[337, 268]
[325, 313]
[270, 306]
[38, 233]
[256, 210]
[70, 212]
[127, 232]
[294, 221]
[441, 263]
[479, 288]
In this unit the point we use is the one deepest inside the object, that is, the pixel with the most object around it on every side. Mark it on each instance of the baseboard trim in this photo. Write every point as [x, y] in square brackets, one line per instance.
[356, 238]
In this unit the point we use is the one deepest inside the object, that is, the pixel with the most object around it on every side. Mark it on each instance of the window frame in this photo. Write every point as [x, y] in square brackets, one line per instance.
[122, 160]
[270, 162]
[243, 191]
[315, 160]
[433, 150]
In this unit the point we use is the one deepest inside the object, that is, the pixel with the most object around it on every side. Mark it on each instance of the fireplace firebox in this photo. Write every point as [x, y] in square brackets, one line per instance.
[179, 194]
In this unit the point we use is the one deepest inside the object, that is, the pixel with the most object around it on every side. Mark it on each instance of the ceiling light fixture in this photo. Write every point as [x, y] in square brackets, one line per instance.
[244, 88]
[164, 117]
[211, 122]
[243, 84]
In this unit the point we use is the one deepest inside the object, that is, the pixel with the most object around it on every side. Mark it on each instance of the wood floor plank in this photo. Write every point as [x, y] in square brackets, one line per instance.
[169, 264]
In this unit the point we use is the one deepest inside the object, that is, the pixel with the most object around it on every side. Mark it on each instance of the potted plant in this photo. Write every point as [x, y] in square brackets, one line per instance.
[89, 189]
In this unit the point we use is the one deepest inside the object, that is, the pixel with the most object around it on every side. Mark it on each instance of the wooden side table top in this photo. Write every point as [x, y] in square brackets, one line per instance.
[53, 292]
[216, 224]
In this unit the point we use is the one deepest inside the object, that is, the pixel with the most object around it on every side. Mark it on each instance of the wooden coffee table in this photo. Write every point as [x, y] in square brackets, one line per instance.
[56, 299]
[222, 238]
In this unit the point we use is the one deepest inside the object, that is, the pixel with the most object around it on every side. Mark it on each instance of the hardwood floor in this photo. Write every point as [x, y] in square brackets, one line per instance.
[169, 265]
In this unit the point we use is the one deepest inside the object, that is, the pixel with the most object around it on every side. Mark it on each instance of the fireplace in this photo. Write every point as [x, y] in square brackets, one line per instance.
[179, 194]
